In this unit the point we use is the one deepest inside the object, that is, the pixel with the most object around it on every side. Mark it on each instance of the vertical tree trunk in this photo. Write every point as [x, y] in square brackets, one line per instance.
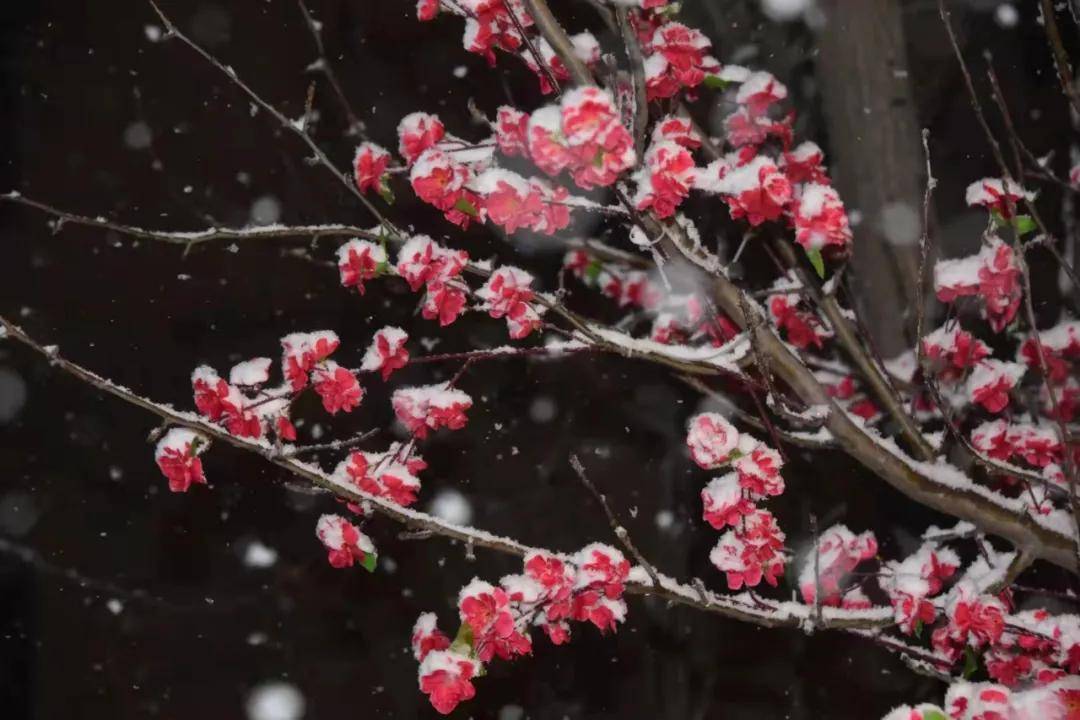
[875, 157]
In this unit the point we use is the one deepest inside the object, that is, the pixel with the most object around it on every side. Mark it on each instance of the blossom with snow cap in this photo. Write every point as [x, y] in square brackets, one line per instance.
[387, 352]
[820, 218]
[507, 294]
[345, 544]
[665, 179]
[711, 439]
[1000, 196]
[838, 552]
[422, 409]
[991, 382]
[751, 552]
[369, 167]
[417, 132]
[177, 456]
[445, 677]
[360, 261]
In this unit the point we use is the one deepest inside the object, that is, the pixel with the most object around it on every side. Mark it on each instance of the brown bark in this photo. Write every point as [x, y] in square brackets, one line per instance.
[875, 157]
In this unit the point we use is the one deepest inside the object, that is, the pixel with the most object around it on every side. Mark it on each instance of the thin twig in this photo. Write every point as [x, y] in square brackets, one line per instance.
[356, 127]
[616, 526]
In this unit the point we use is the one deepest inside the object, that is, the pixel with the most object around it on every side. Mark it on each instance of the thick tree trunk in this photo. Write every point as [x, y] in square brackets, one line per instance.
[875, 157]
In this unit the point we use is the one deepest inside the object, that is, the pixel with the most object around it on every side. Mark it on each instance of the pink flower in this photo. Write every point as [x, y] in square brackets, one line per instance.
[954, 348]
[359, 261]
[391, 474]
[758, 468]
[443, 302]
[991, 381]
[445, 678]
[803, 329]
[678, 59]
[421, 409]
[337, 387]
[421, 260]
[427, 10]
[751, 552]
[426, 637]
[369, 166]
[511, 129]
[973, 619]
[803, 164]
[601, 147]
[486, 610]
[820, 218]
[839, 551]
[602, 568]
[760, 91]
[417, 132]
[991, 439]
[507, 293]
[177, 458]
[997, 195]
[992, 274]
[440, 181]
[302, 352]
[387, 352]
[344, 542]
[724, 502]
[711, 439]
[757, 191]
[666, 179]
[508, 199]
[676, 129]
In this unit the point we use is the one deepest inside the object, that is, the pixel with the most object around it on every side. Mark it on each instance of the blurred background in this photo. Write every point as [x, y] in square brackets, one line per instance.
[119, 599]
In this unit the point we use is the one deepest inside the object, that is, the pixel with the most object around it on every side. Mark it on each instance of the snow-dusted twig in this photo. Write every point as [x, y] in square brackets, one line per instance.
[770, 615]
[323, 65]
[294, 127]
[616, 527]
[188, 239]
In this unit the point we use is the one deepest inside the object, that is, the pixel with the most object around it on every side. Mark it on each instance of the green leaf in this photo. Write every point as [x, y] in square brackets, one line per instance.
[463, 641]
[385, 190]
[369, 561]
[918, 628]
[934, 715]
[715, 82]
[971, 662]
[466, 207]
[817, 261]
[592, 270]
[598, 160]
[999, 219]
[1023, 224]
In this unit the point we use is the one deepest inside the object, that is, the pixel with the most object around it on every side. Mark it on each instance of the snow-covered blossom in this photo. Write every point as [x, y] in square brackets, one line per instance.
[803, 164]
[345, 544]
[953, 349]
[511, 131]
[359, 261]
[711, 439]
[417, 132]
[369, 166]
[758, 468]
[992, 274]
[507, 293]
[177, 456]
[991, 382]
[337, 386]
[422, 409]
[839, 551]
[724, 502]
[676, 129]
[303, 351]
[802, 327]
[665, 179]
[387, 352]
[445, 677]
[678, 58]
[910, 582]
[440, 180]
[426, 636]
[423, 262]
[508, 199]
[820, 218]
[757, 191]
[600, 147]
[219, 401]
[489, 26]
[751, 552]
[390, 474]
[997, 195]
[486, 610]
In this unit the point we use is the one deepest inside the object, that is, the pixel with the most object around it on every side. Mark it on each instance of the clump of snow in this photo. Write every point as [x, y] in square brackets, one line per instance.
[275, 700]
[451, 506]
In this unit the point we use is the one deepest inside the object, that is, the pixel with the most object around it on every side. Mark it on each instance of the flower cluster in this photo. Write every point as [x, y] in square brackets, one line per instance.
[345, 544]
[496, 619]
[676, 58]
[422, 262]
[801, 326]
[1053, 700]
[507, 294]
[992, 275]
[911, 583]
[427, 408]
[838, 552]
[177, 456]
[753, 548]
[391, 474]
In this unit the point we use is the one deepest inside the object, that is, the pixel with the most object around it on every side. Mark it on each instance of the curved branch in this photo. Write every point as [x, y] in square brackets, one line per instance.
[767, 614]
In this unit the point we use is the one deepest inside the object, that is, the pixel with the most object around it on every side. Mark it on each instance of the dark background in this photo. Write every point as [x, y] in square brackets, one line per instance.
[85, 517]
